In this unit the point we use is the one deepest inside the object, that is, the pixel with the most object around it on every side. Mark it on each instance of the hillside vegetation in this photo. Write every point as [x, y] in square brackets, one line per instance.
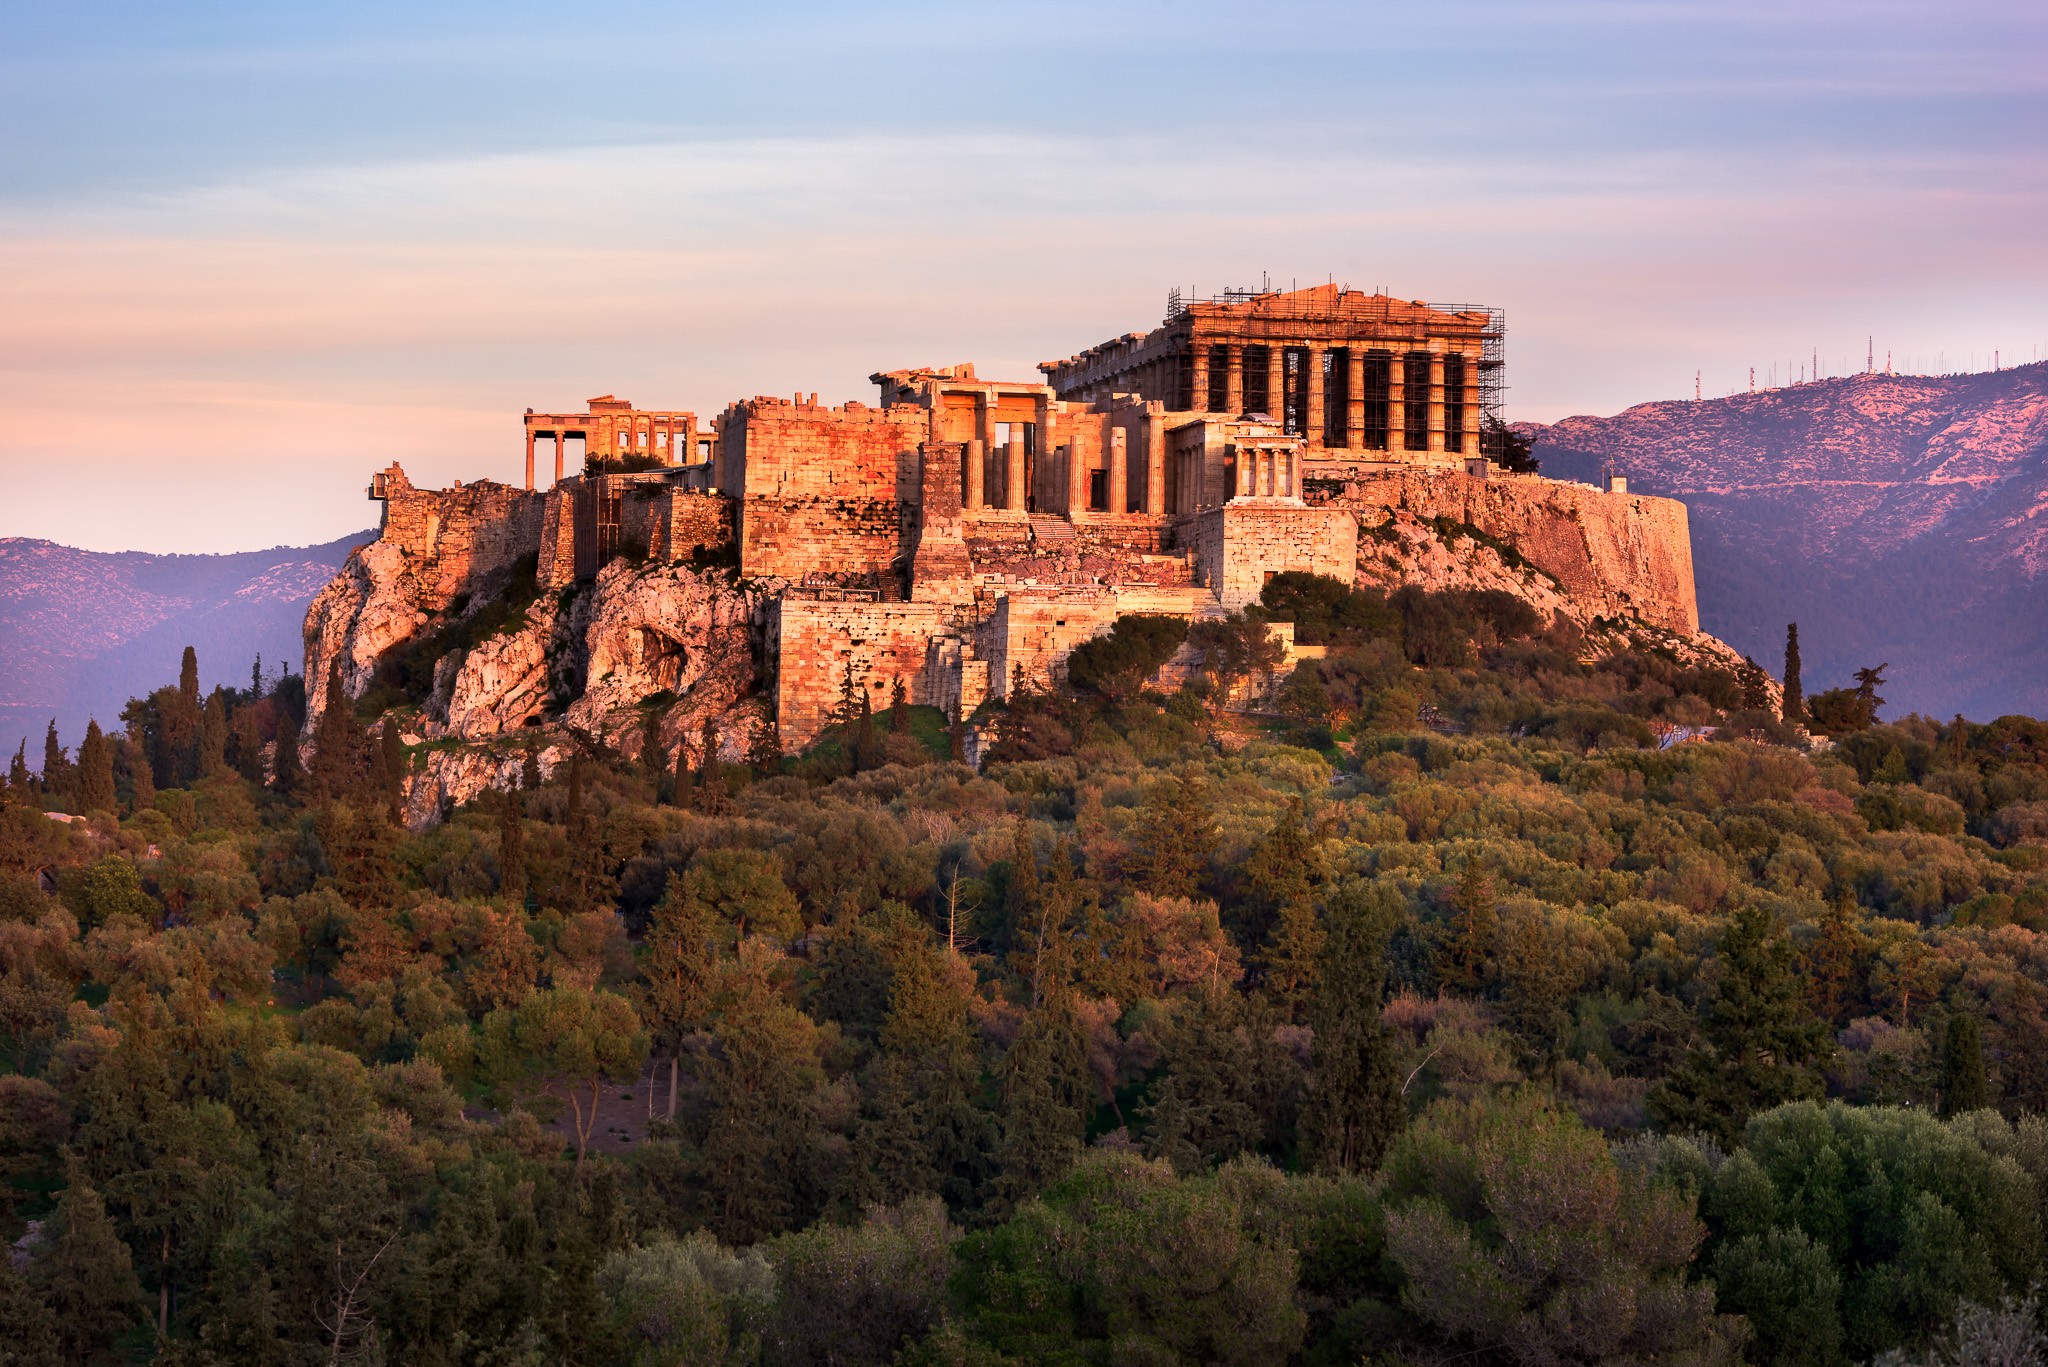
[1454, 1004]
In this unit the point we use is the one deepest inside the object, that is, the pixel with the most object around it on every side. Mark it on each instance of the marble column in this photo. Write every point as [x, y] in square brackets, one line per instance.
[1436, 401]
[558, 455]
[1276, 383]
[1119, 471]
[1013, 471]
[1233, 393]
[1472, 402]
[1155, 463]
[1312, 401]
[1397, 401]
[1354, 397]
[976, 474]
[1198, 379]
[529, 457]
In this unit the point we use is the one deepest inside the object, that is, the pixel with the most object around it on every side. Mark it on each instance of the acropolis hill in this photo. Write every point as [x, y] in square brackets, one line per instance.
[962, 535]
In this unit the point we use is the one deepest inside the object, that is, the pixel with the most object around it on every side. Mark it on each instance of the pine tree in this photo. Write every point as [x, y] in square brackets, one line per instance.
[1760, 1044]
[1204, 1109]
[28, 1331]
[764, 757]
[288, 774]
[679, 963]
[141, 776]
[512, 851]
[1963, 1085]
[1794, 710]
[213, 735]
[87, 1276]
[1173, 840]
[1047, 1095]
[1354, 1108]
[1466, 959]
[95, 771]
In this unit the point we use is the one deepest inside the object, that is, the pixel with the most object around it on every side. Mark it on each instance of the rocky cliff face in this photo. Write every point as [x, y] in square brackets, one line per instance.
[1593, 554]
[590, 661]
[1899, 519]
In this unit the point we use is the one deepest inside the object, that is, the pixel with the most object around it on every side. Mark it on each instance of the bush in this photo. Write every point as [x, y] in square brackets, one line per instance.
[1116, 665]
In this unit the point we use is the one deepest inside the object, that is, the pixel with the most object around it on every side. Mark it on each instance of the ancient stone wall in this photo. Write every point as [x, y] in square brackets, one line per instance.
[1628, 553]
[827, 490]
[454, 537]
[815, 642]
[1241, 545]
[673, 523]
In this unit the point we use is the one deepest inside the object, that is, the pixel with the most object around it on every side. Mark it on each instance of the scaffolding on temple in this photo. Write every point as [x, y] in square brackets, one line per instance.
[1493, 386]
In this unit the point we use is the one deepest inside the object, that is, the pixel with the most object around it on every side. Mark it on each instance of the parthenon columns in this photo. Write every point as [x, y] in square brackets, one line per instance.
[1119, 496]
[1397, 401]
[1155, 463]
[1354, 395]
[1276, 383]
[1312, 402]
[1233, 393]
[1198, 379]
[1436, 401]
[1471, 403]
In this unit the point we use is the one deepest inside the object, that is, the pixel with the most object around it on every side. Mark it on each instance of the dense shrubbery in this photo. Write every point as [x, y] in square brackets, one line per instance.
[1427, 1013]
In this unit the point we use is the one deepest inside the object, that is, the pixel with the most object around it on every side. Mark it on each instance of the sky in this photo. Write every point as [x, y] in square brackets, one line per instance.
[250, 253]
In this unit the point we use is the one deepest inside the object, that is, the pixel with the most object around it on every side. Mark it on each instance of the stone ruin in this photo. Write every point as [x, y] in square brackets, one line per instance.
[963, 534]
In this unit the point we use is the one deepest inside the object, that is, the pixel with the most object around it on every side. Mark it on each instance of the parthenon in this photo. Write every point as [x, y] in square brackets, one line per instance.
[1341, 369]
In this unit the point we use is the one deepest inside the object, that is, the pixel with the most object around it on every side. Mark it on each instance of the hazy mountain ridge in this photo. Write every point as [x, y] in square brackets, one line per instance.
[1896, 518]
[85, 630]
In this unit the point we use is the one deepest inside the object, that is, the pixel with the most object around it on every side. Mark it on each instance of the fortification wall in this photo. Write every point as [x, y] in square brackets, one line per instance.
[1624, 554]
[815, 642]
[672, 523]
[456, 536]
[827, 490]
[1239, 546]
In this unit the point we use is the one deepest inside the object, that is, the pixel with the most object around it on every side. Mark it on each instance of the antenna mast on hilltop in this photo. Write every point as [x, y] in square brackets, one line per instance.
[1870, 355]
[1752, 379]
[1695, 386]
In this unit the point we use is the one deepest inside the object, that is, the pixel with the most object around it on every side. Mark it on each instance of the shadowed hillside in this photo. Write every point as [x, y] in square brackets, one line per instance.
[1896, 518]
[86, 630]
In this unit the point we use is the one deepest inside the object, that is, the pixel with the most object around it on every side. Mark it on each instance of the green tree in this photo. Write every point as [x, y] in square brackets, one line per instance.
[1173, 839]
[756, 1159]
[95, 771]
[87, 1276]
[1048, 1093]
[1354, 1108]
[1963, 1088]
[1760, 1045]
[1521, 1240]
[1117, 663]
[512, 850]
[1793, 709]
[678, 960]
[213, 734]
[288, 774]
[583, 1037]
[59, 778]
[1204, 1108]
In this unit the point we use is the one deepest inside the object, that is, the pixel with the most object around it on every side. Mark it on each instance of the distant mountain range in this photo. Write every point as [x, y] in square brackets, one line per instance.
[1898, 519]
[86, 630]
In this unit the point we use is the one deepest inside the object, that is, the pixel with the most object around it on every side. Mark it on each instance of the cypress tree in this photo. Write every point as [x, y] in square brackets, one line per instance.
[685, 794]
[213, 734]
[899, 709]
[511, 850]
[1354, 1108]
[182, 721]
[765, 756]
[337, 742]
[288, 775]
[17, 770]
[56, 769]
[1963, 1085]
[529, 769]
[246, 751]
[1205, 1109]
[711, 778]
[188, 682]
[956, 738]
[864, 735]
[651, 761]
[1795, 702]
[95, 771]
[391, 753]
[1047, 1091]
[1174, 839]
